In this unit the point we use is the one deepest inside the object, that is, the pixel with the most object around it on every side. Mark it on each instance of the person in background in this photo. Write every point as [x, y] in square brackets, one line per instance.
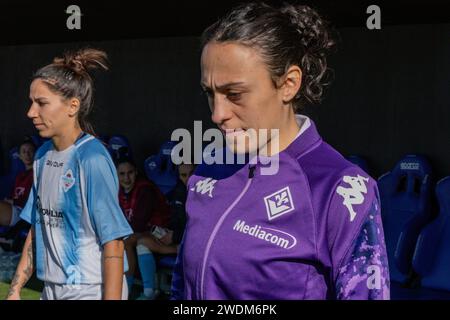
[10, 208]
[165, 240]
[145, 208]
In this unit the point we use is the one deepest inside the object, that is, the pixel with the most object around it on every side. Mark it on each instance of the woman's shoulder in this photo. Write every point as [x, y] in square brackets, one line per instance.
[24, 175]
[145, 187]
[326, 165]
[143, 184]
[326, 169]
[43, 149]
[91, 149]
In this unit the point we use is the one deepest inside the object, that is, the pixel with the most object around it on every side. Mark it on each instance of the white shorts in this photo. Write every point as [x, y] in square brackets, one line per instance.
[55, 291]
[15, 215]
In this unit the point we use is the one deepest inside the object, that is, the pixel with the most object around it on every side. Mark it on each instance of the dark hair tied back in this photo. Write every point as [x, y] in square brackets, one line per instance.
[285, 36]
[69, 77]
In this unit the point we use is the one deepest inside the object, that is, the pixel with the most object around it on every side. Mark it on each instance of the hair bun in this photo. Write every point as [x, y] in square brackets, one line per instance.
[317, 41]
[84, 60]
[285, 35]
[310, 26]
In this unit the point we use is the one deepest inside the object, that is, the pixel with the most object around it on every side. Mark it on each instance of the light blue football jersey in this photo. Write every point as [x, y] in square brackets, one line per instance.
[73, 206]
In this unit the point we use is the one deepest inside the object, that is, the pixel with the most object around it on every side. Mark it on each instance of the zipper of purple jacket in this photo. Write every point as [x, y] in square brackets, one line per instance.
[251, 174]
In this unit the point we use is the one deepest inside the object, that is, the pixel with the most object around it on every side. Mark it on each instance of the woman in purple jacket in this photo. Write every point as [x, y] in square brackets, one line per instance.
[311, 228]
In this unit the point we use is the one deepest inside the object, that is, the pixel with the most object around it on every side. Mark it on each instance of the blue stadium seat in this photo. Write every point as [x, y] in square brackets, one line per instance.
[399, 292]
[13, 242]
[161, 170]
[3, 229]
[15, 167]
[432, 256]
[360, 162]
[104, 138]
[221, 171]
[6, 186]
[167, 261]
[405, 205]
[118, 145]
[166, 264]
[2, 166]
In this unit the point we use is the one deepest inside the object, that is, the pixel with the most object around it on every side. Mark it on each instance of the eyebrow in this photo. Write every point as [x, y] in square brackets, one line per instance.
[38, 98]
[223, 86]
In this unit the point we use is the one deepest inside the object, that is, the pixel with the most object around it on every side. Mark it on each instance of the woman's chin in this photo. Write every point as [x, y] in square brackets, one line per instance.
[44, 134]
[241, 148]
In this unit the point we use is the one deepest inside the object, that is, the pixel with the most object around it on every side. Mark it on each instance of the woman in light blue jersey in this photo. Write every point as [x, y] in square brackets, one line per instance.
[76, 240]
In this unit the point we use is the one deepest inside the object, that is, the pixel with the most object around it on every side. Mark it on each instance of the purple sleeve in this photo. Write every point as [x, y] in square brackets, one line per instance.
[358, 251]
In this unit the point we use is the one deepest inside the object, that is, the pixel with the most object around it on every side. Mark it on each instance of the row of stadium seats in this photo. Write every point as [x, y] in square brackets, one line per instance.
[415, 214]
[158, 167]
[417, 233]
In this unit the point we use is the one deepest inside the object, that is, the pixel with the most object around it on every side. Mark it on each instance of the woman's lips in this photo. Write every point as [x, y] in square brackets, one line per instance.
[230, 133]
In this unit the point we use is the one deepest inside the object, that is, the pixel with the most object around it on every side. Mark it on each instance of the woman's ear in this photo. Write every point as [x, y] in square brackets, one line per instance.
[292, 83]
[74, 107]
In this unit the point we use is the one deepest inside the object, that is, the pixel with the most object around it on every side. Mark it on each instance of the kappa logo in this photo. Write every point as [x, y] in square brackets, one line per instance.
[279, 203]
[354, 194]
[67, 180]
[205, 186]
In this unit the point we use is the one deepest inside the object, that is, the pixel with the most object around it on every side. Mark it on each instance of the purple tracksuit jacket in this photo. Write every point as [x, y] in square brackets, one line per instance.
[311, 231]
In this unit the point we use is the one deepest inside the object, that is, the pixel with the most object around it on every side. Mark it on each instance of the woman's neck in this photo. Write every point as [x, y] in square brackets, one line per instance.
[287, 133]
[128, 190]
[65, 140]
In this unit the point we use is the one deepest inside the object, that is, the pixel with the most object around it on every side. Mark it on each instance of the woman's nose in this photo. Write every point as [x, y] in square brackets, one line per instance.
[32, 112]
[220, 111]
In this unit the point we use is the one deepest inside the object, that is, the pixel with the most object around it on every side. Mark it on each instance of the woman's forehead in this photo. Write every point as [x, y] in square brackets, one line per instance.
[27, 146]
[125, 166]
[229, 62]
[38, 89]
